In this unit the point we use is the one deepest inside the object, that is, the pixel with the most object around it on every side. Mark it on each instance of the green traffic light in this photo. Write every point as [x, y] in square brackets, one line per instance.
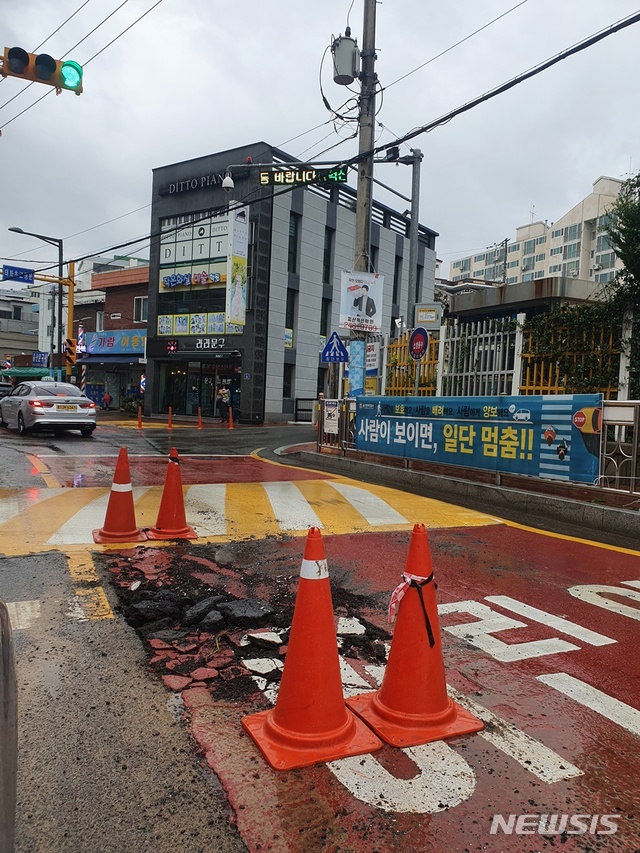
[71, 75]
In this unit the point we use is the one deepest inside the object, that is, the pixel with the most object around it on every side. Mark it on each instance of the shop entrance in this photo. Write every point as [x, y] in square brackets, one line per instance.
[187, 385]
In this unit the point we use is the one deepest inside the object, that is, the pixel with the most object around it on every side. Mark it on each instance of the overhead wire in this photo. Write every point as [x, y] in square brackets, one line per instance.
[126, 30]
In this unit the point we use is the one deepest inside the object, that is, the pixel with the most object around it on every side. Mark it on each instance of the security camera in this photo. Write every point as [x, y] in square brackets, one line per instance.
[227, 183]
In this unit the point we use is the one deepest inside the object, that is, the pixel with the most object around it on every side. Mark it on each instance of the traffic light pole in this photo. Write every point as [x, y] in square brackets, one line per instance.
[60, 263]
[366, 123]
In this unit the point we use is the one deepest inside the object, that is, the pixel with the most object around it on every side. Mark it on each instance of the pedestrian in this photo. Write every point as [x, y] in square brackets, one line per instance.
[106, 400]
[223, 404]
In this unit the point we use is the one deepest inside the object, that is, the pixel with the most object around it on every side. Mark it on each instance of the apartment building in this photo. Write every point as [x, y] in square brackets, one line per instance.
[574, 246]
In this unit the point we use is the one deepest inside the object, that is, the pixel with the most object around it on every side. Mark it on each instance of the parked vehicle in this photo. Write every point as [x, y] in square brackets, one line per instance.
[48, 405]
[5, 388]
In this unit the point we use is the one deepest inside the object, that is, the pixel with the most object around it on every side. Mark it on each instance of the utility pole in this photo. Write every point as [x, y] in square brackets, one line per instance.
[366, 125]
[505, 243]
[414, 160]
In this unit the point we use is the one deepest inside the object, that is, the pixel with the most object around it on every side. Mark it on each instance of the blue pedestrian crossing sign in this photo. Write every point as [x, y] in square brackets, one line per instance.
[334, 351]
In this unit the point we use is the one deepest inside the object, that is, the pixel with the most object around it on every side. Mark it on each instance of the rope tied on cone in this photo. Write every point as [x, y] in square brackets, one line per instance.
[399, 592]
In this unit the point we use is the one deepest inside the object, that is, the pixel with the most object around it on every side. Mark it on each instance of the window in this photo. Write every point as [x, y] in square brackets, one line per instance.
[99, 321]
[514, 247]
[17, 312]
[539, 274]
[557, 250]
[478, 259]
[540, 240]
[287, 381]
[397, 278]
[373, 258]
[572, 251]
[529, 247]
[290, 310]
[573, 232]
[325, 317]
[512, 279]
[294, 240]
[140, 304]
[528, 276]
[603, 243]
[327, 258]
[571, 268]
[606, 260]
[540, 257]
[559, 232]
[555, 268]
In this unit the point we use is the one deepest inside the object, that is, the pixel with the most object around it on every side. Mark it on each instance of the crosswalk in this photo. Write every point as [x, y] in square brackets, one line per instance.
[39, 519]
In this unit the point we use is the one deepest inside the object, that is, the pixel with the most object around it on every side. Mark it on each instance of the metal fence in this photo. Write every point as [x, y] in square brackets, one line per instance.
[8, 733]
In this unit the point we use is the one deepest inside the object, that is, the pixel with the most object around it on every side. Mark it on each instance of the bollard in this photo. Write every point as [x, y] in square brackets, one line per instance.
[139, 417]
[199, 417]
[170, 421]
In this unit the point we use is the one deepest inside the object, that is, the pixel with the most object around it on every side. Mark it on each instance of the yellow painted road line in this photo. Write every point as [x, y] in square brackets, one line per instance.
[567, 538]
[49, 480]
[249, 512]
[428, 511]
[30, 530]
[91, 600]
[333, 509]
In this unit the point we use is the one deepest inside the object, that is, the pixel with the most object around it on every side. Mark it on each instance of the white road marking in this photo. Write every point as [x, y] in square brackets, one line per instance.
[373, 509]
[564, 626]
[291, 510]
[77, 530]
[9, 508]
[612, 709]
[22, 614]
[596, 594]
[205, 506]
[532, 755]
[489, 622]
[445, 780]
[631, 583]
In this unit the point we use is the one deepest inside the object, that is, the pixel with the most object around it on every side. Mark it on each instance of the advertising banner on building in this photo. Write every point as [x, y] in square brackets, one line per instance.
[555, 437]
[236, 306]
[361, 301]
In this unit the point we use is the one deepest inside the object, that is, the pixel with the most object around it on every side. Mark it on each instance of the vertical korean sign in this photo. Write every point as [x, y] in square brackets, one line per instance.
[236, 297]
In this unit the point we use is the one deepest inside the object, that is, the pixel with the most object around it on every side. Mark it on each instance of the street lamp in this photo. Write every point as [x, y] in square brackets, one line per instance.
[53, 241]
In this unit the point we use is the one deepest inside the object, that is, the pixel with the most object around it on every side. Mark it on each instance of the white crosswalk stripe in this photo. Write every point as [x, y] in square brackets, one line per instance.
[376, 511]
[205, 506]
[291, 510]
[78, 530]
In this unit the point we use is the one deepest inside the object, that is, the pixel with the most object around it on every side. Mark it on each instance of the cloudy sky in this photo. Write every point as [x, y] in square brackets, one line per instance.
[193, 77]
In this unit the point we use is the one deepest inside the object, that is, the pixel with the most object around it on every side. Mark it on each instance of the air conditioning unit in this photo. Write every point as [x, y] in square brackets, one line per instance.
[597, 266]
[574, 274]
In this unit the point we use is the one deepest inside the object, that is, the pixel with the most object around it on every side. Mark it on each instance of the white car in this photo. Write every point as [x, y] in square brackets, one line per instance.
[48, 405]
[522, 415]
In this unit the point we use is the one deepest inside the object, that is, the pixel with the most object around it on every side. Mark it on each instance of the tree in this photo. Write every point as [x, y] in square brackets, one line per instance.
[623, 231]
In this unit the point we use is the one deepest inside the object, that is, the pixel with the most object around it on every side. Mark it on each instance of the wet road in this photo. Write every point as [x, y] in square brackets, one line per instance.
[539, 636]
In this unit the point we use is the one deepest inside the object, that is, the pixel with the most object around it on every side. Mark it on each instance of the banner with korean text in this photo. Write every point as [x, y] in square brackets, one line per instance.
[555, 437]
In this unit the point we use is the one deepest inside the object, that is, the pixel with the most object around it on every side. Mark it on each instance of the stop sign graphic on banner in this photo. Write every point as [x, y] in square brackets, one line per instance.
[579, 419]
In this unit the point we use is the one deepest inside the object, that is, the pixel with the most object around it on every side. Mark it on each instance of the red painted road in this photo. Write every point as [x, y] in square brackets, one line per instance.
[84, 471]
[450, 792]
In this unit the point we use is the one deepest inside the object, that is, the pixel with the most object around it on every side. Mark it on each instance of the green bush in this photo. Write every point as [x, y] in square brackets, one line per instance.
[131, 403]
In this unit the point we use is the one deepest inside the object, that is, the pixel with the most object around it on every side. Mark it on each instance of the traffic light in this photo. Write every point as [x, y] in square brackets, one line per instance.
[70, 350]
[42, 68]
[172, 347]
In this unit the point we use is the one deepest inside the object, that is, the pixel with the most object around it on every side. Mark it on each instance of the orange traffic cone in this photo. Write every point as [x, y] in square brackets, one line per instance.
[310, 722]
[172, 522]
[412, 707]
[120, 520]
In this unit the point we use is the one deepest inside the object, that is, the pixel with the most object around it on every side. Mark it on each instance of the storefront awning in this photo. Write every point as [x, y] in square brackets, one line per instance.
[111, 358]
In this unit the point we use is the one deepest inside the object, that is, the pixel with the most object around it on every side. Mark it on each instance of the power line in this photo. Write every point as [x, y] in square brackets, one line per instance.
[144, 14]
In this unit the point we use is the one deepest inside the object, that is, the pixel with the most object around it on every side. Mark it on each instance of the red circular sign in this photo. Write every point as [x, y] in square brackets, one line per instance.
[579, 419]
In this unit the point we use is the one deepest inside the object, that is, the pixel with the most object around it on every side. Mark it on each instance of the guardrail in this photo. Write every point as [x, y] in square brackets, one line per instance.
[8, 733]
